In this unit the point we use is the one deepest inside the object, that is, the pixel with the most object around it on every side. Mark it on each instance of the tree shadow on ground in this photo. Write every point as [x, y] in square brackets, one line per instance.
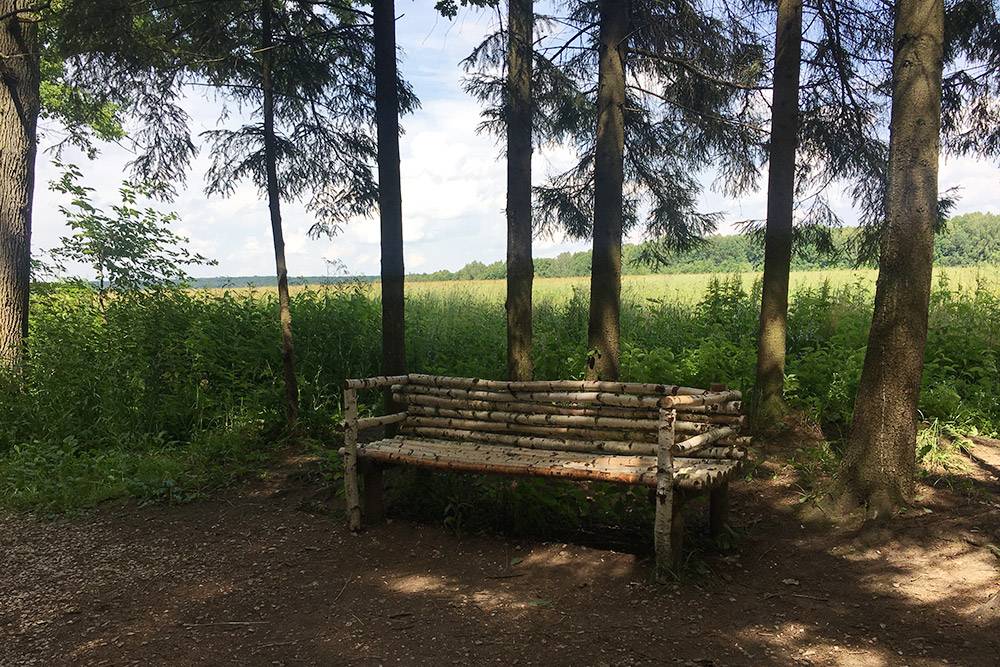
[252, 579]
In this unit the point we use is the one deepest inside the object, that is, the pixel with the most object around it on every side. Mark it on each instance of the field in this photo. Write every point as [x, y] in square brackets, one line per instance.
[681, 287]
[164, 395]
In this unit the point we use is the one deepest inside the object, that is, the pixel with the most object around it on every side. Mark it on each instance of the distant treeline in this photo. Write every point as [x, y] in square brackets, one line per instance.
[271, 281]
[970, 239]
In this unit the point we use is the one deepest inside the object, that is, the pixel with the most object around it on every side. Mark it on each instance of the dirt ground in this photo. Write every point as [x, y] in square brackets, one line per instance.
[271, 575]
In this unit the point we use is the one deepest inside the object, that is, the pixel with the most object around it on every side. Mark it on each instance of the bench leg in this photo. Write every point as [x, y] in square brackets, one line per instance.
[374, 502]
[677, 532]
[350, 453]
[668, 535]
[718, 510]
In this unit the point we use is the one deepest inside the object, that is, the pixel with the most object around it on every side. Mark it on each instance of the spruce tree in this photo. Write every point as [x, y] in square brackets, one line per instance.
[880, 460]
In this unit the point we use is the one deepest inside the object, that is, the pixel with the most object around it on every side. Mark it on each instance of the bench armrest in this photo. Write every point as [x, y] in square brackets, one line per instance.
[351, 420]
[374, 422]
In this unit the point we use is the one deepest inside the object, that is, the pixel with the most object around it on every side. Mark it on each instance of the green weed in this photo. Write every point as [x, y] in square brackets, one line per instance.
[184, 386]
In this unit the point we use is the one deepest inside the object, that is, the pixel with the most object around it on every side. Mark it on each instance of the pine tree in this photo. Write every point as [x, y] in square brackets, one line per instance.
[390, 204]
[604, 326]
[270, 142]
[770, 380]
[520, 270]
[671, 116]
[305, 68]
[880, 460]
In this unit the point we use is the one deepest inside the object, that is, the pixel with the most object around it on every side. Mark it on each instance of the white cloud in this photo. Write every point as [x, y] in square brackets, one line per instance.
[453, 180]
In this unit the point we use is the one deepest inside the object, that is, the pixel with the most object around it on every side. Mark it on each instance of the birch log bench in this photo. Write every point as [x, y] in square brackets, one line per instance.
[680, 441]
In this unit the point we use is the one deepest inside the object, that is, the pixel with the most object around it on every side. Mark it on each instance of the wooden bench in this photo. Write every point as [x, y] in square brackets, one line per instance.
[679, 441]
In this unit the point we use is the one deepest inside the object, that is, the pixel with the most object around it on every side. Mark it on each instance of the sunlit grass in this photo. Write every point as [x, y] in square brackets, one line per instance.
[165, 395]
[682, 287]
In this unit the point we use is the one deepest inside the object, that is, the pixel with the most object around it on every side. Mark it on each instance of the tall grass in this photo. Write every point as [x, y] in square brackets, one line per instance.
[164, 395]
[685, 287]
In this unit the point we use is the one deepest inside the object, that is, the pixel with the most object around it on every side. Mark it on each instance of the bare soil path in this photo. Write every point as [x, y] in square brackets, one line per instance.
[270, 575]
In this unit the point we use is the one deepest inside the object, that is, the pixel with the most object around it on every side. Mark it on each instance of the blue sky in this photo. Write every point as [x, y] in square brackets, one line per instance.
[453, 179]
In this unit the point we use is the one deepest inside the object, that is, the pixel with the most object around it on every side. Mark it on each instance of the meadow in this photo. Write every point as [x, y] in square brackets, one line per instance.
[680, 287]
[163, 395]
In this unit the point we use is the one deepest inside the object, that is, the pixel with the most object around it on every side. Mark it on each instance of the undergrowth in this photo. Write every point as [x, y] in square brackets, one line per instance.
[164, 395]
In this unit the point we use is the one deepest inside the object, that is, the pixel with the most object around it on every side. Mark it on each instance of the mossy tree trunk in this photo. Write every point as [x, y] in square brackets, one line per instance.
[19, 109]
[880, 460]
[520, 270]
[604, 328]
[769, 387]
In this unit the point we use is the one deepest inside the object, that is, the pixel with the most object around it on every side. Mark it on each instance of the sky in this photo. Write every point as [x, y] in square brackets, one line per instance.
[453, 180]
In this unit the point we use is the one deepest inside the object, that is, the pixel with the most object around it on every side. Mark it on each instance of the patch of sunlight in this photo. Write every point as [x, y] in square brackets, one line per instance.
[416, 583]
[801, 641]
[607, 564]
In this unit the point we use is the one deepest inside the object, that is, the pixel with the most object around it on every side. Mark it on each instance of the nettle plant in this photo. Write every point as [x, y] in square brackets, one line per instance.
[129, 250]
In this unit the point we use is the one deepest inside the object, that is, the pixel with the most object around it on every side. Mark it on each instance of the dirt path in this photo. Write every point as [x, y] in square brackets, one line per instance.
[257, 578]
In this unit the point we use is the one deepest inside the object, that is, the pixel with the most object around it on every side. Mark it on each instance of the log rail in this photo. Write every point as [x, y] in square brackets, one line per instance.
[677, 440]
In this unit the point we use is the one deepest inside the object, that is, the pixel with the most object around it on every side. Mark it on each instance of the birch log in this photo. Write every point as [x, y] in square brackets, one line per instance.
[538, 407]
[378, 382]
[536, 442]
[701, 400]
[385, 420]
[636, 388]
[530, 429]
[692, 445]
[664, 494]
[584, 397]
[580, 421]
[351, 494]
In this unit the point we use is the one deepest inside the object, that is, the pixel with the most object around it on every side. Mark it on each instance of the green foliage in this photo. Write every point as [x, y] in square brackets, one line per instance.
[85, 116]
[813, 464]
[321, 65]
[971, 239]
[162, 396]
[938, 445]
[679, 115]
[107, 65]
[130, 250]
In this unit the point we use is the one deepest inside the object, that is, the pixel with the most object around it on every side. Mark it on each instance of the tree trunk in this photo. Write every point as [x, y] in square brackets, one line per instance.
[274, 204]
[19, 108]
[603, 331]
[520, 270]
[880, 460]
[768, 399]
[389, 192]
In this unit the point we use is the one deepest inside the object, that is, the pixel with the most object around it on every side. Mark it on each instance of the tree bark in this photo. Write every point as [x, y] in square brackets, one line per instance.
[520, 270]
[274, 204]
[603, 331]
[19, 109]
[768, 398]
[389, 192]
[880, 460]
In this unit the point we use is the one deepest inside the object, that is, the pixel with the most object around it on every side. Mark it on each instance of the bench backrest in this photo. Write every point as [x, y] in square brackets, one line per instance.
[568, 415]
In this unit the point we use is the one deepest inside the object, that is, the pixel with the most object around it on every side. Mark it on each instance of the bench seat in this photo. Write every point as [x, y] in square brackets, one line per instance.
[676, 441]
[691, 474]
